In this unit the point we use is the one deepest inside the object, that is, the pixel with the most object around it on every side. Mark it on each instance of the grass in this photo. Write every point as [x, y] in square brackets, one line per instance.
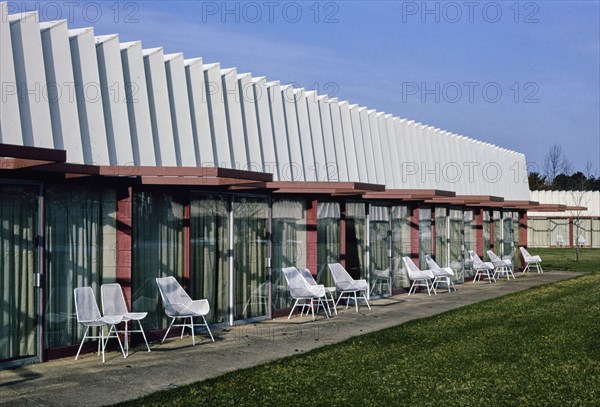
[539, 347]
[564, 259]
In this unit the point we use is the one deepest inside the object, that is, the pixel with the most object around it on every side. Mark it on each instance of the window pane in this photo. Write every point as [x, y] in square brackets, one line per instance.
[209, 251]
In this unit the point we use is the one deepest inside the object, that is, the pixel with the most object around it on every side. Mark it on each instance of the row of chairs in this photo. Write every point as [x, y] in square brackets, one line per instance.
[303, 288]
[177, 303]
[435, 275]
[305, 291]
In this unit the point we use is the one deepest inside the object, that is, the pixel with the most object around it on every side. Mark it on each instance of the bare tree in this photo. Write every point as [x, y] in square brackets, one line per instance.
[556, 163]
[589, 170]
[580, 198]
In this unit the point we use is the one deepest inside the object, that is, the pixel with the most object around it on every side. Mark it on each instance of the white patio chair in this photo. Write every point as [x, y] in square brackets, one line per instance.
[178, 304]
[531, 260]
[560, 241]
[581, 241]
[301, 290]
[501, 266]
[113, 304]
[419, 278]
[329, 291]
[440, 274]
[346, 285]
[88, 315]
[482, 268]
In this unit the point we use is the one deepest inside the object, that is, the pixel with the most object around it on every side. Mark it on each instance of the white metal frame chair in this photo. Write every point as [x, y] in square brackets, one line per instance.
[301, 290]
[346, 285]
[531, 260]
[560, 241]
[178, 304]
[501, 266]
[113, 304]
[440, 274]
[88, 315]
[329, 291]
[482, 268]
[419, 278]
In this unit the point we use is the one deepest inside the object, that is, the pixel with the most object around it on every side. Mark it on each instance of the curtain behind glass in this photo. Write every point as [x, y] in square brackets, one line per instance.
[251, 245]
[289, 245]
[456, 240]
[378, 246]
[18, 263]
[356, 239]
[401, 244]
[498, 241]
[157, 252]
[441, 237]
[424, 236]
[209, 251]
[487, 231]
[507, 237]
[470, 228]
[80, 247]
[328, 239]
[516, 239]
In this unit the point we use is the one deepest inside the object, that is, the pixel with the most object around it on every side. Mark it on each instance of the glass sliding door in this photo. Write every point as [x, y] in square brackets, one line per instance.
[487, 233]
[507, 249]
[516, 239]
[328, 239]
[456, 242]
[209, 254]
[441, 237]
[498, 242]
[18, 266]
[290, 246]
[250, 252]
[81, 241]
[379, 246]
[356, 239]
[424, 235]
[157, 252]
[401, 244]
[470, 231]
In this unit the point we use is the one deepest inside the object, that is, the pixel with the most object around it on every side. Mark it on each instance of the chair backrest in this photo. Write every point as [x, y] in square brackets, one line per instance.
[411, 269]
[296, 283]
[492, 256]
[339, 273]
[171, 291]
[307, 276]
[431, 263]
[524, 252]
[113, 300]
[86, 306]
[477, 262]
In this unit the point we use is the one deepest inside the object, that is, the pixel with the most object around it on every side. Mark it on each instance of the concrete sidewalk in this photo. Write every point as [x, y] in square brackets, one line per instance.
[67, 382]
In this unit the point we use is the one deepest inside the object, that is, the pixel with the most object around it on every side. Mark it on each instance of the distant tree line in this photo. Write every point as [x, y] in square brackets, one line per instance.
[558, 174]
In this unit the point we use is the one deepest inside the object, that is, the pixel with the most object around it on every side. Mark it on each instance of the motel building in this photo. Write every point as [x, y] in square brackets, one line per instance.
[122, 164]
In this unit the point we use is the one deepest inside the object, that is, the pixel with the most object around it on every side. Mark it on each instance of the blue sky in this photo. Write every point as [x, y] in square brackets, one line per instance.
[521, 75]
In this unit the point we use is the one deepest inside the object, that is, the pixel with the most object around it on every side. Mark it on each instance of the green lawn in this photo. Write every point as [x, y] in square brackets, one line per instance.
[564, 259]
[539, 347]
